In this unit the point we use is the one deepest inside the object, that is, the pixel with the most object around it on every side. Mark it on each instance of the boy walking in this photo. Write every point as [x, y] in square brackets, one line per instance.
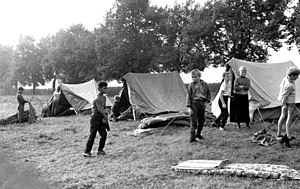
[98, 121]
[21, 105]
[198, 95]
[287, 96]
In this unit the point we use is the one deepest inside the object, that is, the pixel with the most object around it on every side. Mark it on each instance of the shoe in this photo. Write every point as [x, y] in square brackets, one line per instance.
[101, 152]
[221, 129]
[214, 124]
[238, 127]
[285, 140]
[292, 138]
[87, 154]
[199, 137]
[193, 141]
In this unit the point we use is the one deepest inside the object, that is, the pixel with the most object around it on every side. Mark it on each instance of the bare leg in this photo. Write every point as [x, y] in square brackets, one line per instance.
[281, 119]
[289, 120]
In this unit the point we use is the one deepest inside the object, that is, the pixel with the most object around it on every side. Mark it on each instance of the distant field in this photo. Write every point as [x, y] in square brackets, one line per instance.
[51, 150]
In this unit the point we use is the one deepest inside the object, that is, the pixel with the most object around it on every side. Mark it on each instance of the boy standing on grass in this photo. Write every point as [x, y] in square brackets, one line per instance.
[98, 121]
[197, 97]
[21, 105]
[287, 96]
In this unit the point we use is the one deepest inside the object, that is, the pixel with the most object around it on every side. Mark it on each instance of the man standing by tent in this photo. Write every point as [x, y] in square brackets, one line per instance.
[198, 95]
[287, 97]
[21, 105]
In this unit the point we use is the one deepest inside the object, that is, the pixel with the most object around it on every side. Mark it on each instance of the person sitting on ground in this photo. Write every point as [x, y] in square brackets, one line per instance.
[287, 96]
[116, 109]
[55, 102]
[225, 93]
[21, 105]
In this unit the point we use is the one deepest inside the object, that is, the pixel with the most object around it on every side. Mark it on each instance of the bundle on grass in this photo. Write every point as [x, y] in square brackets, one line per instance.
[29, 115]
[226, 167]
[178, 119]
[181, 119]
[264, 138]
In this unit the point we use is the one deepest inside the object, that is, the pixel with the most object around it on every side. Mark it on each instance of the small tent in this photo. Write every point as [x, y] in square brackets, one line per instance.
[153, 93]
[78, 96]
[265, 81]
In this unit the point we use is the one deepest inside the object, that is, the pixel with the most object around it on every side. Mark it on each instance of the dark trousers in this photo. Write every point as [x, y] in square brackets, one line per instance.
[20, 113]
[241, 106]
[96, 125]
[197, 119]
[224, 112]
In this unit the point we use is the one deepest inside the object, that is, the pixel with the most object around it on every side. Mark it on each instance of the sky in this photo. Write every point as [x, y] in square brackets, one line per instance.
[40, 18]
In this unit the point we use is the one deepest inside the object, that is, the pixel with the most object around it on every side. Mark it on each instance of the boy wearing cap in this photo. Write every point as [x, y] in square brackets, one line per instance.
[21, 105]
[287, 96]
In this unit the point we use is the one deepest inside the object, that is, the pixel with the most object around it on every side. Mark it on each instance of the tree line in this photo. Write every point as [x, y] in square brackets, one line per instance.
[139, 37]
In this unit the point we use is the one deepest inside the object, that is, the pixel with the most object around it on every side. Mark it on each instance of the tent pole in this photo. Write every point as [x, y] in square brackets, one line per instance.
[133, 112]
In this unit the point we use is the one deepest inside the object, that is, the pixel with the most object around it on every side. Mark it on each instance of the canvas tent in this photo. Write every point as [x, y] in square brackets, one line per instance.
[265, 81]
[78, 96]
[153, 93]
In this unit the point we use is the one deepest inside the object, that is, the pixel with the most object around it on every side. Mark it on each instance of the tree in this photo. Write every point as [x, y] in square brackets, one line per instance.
[6, 62]
[45, 46]
[236, 28]
[128, 41]
[293, 26]
[72, 56]
[176, 19]
[28, 69]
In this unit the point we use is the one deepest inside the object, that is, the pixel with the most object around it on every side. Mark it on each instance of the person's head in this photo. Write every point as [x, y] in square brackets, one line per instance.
[243, 71]
[102, 86]
[195, 74]
[227, 77]
[293, 73]
[117, 98]
[20, 89]
[227, 67]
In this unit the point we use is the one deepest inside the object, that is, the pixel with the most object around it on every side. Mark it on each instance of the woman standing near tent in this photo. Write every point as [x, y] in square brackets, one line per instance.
[241, 100]
[225, 93]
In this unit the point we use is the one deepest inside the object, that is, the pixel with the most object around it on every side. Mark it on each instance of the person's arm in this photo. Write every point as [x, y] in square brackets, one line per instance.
[208, 94]
[247, 85]
[97, 103]
[237, 85]
[285, 93]
[21, 99]
[189, 99]
[222, 88]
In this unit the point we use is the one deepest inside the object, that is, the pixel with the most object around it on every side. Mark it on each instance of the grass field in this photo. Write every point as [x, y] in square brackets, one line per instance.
[51, 149]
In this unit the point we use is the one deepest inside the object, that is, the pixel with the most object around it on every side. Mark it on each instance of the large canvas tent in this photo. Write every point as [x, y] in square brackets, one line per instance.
[153, 93]
[265, 81]
[78, 96]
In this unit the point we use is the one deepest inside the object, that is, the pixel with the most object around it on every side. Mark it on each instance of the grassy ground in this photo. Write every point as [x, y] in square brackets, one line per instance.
[52, 148]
